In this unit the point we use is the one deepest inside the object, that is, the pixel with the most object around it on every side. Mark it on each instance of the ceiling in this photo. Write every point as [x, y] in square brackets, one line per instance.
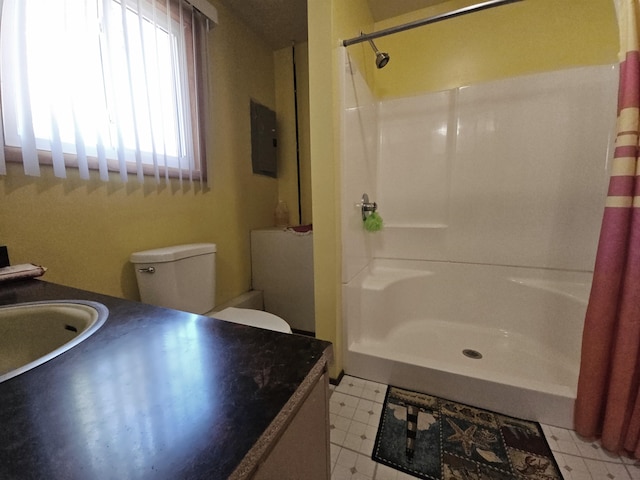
[281, 22]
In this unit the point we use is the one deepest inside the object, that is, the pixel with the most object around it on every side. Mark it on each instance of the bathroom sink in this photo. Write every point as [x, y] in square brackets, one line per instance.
[35, 332]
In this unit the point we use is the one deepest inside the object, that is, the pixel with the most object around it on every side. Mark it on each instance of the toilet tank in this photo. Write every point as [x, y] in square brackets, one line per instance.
[182, 277]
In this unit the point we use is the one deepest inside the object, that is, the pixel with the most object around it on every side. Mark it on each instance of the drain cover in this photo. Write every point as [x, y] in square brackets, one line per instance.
[476, 355]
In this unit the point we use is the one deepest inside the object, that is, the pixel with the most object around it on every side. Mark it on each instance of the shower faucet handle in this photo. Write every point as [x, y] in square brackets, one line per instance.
[366, 206]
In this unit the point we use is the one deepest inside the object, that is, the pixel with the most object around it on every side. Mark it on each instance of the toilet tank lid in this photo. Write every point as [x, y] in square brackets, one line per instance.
[170, 254]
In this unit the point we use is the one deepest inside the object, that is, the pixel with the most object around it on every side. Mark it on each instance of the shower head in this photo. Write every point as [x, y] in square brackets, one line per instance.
[382, 58]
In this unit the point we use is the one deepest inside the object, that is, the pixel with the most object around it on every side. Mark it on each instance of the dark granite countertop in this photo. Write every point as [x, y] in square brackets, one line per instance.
[153, 394]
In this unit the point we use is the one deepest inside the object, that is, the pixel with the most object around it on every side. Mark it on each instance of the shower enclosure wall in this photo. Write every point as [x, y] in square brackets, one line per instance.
[492, 197]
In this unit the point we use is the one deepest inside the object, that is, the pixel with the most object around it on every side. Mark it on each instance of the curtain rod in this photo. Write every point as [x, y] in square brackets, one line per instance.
[426, 21]
[207, 9]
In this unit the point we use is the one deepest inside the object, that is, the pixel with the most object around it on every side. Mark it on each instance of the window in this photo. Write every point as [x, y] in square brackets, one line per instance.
[115, 85]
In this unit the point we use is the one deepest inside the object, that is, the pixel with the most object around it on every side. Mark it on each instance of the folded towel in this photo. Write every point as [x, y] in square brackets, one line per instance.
[300, 230]
[25, 270]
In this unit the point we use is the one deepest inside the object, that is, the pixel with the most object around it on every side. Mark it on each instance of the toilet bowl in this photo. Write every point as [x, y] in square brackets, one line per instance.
[254, 318]
[183, 277]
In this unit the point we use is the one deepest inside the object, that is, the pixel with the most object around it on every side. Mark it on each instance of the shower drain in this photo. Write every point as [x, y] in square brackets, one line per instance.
[476, 355]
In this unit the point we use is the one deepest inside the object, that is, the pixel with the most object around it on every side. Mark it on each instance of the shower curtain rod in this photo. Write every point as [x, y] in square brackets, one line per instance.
[364, 37]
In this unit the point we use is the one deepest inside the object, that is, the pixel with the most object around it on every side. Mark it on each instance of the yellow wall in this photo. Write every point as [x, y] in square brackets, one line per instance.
[328, 21]
[527, 37]
[350, 20]
[506, 41]
[286, 117]
[84, 231]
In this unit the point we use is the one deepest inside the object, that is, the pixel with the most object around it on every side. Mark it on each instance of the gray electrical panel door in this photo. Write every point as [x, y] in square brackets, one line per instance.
[263, 140]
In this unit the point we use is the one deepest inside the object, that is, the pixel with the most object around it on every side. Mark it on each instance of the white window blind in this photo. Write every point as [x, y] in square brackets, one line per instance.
[111, 85]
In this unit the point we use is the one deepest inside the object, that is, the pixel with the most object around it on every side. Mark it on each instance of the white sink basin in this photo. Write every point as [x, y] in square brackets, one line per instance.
[33, 333]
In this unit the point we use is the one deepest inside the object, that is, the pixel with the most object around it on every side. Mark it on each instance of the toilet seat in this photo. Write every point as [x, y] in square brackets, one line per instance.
[253, 318]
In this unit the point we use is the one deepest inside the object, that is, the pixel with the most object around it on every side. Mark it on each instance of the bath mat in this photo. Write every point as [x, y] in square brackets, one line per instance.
[437, 439]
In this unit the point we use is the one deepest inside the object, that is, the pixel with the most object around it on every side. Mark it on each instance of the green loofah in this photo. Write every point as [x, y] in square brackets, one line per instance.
[373, 223]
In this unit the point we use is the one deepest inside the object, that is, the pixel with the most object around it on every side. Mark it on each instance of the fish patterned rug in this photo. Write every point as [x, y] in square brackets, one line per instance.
[437, 439]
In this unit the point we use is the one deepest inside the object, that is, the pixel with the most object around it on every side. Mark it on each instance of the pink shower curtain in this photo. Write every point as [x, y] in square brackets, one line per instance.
[608, 403]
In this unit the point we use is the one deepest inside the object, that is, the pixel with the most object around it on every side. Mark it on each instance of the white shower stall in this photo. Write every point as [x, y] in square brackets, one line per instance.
[492, 197]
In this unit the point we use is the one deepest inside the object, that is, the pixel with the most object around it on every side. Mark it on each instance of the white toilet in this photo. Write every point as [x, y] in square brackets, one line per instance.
[183, 277]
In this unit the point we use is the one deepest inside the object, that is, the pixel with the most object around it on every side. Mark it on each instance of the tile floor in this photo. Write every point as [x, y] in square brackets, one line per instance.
[356, 405]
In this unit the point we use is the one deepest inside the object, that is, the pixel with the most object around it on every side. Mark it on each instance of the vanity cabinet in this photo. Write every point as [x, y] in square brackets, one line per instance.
[302, 452]
[160, 394]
